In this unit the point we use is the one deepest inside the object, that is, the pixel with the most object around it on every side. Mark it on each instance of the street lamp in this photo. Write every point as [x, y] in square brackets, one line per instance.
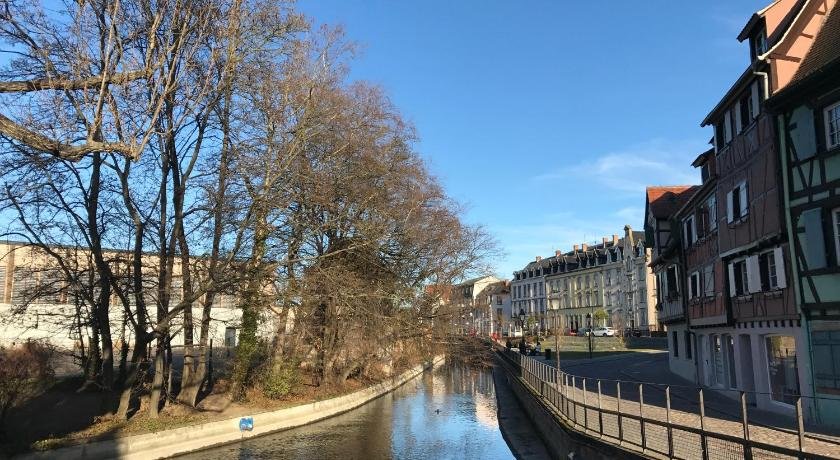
[522, 321]
[589, 332]
[554, 302]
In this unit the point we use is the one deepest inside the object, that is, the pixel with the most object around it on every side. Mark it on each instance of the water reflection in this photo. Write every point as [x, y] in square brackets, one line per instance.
[450, 413]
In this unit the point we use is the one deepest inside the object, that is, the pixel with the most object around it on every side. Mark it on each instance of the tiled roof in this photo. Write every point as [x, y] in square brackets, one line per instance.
[825, 49]
[666, 200]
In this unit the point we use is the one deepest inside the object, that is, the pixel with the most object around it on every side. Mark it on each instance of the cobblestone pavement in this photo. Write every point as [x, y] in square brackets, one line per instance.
[722, 414]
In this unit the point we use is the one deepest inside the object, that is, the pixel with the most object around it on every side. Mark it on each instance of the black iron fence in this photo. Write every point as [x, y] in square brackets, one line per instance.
[596, 407]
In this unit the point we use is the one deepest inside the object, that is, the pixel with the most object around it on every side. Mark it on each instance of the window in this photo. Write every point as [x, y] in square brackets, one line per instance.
[744, 111]
[767, 265]
[782, 368]
[719, 143]
[711, 207]
[687, 340]
[737, 205]
[760, 43]
[498, 300]
[230, 336]
[826, 341]
[832, 126]
[690, 231]
[709, 281]
[727, 127]
[704, 172]
[835, 223]
[675, 345]
[694, 285]
[738, 281]
[671, 287]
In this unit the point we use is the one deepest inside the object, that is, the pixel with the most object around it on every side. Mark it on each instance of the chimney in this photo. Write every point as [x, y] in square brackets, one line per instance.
[585, 247]
[615, 240]
[557, 253]
[604, 241]
[539, 258]
[576, 248]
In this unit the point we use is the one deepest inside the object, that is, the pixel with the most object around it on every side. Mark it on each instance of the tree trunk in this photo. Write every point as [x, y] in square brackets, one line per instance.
[157, 381]
[137, 355]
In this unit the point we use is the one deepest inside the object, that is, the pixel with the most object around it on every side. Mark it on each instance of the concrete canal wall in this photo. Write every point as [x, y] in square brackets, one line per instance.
[561, 441]
[196, 437]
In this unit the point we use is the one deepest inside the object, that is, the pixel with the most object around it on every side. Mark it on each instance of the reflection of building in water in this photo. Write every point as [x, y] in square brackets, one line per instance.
[485, 409]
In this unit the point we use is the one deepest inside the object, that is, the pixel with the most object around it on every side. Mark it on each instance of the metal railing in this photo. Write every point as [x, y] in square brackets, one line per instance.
[587, 406]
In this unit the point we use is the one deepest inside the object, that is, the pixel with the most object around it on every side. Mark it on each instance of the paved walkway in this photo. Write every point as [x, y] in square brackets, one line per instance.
[722, 413]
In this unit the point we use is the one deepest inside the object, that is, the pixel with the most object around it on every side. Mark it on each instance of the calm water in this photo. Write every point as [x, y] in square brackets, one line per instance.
[402, 425]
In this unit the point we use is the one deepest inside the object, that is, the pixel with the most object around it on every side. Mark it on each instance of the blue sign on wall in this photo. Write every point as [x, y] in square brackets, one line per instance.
[246, 424]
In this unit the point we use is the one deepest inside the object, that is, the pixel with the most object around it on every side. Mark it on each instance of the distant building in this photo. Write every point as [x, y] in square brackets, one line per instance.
[466, 297]
[528, 294]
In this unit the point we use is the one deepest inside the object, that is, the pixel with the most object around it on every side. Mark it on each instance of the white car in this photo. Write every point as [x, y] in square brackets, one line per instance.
[603, 331]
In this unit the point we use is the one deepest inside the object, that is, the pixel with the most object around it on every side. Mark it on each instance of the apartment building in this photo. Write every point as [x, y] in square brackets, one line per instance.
[527, 289]
[808, 127]
[500, 319]
[609, 281]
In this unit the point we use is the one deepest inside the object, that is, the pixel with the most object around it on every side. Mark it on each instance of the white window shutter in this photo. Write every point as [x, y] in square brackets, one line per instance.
[753, 274]
[739, 124]
[729, 211]
[754, 96]
[745, 206]
[732, 291]
[781, 278]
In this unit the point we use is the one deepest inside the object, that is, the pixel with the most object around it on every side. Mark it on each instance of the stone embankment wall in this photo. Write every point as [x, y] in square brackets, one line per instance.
[196, 437]
[561, 441]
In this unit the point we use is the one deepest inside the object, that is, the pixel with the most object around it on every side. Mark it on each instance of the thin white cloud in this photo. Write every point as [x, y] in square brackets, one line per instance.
[630, 170]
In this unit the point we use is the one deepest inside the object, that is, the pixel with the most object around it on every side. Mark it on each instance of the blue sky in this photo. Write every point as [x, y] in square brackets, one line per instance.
[548, 118]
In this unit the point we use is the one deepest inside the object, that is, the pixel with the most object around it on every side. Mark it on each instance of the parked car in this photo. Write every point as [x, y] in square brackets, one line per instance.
[603, 331]
[583, 331]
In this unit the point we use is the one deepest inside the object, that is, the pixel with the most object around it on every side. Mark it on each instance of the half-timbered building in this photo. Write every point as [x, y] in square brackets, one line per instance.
[808, 121]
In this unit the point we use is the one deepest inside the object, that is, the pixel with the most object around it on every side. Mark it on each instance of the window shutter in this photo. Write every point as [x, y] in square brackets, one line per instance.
[754, 97]
[727, 127]
[729, 210]
[732, 292]
[739, 124]
[745, 207]
[753, 274]
[815, 254]
[781, 278]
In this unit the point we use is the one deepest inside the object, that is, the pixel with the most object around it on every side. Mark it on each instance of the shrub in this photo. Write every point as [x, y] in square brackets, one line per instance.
[280, 380]
[25, 371]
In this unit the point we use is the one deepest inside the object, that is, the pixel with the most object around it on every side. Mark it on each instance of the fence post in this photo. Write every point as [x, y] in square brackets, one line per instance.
[668, 421]
[642, 414]
[574, 403]
[745, 421]
[799, 425]
[585, 411]
[703, 449]
[618, 409]
[600, 414]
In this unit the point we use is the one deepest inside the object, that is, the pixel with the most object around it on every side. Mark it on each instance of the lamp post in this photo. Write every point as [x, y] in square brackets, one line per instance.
[522, 321]
[554, 301]
[589, 332]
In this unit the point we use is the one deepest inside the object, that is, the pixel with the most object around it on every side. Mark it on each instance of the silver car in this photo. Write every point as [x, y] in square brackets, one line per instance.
[603, 331]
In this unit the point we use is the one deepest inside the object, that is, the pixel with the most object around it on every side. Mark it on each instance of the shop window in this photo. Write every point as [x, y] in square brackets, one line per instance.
[782, 370]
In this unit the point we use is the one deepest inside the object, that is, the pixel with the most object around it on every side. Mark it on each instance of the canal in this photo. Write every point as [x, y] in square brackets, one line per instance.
[446, 413]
